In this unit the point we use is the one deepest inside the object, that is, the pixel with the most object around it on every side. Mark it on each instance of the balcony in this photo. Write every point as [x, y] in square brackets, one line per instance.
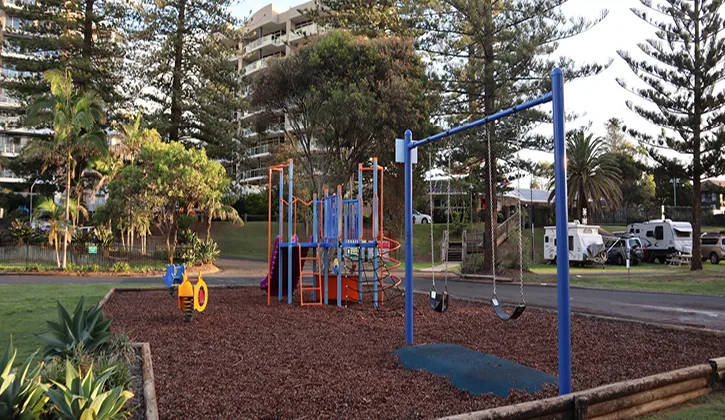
[275, 40]
[253, 175]
[11, 149]
[257, 65]
[9, 177]
[259, 151]
[17, 3]
[304, 31]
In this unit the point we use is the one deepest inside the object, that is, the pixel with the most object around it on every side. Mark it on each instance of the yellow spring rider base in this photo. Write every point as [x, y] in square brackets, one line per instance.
[192, 297]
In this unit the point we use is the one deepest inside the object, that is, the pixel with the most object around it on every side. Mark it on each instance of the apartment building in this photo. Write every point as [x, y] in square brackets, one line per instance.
[271, 32]
[12, 137]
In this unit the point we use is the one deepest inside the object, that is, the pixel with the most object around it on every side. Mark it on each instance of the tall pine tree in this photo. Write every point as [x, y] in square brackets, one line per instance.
[495, 54]
[192, 88]
[78, 35]
[684, 75]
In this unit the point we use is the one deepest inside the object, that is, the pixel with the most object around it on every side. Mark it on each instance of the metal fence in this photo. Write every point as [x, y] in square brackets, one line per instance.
[626, 216]
[114, 257]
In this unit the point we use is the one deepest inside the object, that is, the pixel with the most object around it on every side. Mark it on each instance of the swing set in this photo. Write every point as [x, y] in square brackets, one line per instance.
[406, 152]
[439, 302]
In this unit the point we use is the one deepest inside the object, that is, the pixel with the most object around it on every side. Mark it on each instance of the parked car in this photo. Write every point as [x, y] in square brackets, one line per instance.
[712, 247]
[617, 250]
[419, 218]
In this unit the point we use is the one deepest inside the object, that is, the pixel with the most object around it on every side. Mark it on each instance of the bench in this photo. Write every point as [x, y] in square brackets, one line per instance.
[679, 260]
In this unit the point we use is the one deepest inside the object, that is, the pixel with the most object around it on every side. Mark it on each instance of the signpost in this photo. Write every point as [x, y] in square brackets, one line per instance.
[92, 249]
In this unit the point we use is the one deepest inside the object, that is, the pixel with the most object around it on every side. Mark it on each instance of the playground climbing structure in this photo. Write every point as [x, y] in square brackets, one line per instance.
[345, 259]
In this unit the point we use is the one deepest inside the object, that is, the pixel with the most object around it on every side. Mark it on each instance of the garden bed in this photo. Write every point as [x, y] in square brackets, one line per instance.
[243, 359]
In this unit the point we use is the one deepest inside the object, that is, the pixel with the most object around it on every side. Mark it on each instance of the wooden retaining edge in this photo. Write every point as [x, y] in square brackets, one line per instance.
[550, 407]
[147, 370]
[656, 405]
[105, 298]
[606, 408]
[149, 386]
[615, 401]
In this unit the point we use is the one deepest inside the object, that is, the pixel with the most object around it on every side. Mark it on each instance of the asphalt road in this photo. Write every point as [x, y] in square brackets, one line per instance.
[699, 311]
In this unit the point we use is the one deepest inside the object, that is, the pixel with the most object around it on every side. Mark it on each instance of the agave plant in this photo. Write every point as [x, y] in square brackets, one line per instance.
[87, 328]
[82, 397]
[21, 394]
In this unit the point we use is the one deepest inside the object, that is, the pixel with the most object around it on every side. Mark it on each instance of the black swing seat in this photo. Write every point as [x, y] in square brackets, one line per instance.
[439, 302]
[501, 312]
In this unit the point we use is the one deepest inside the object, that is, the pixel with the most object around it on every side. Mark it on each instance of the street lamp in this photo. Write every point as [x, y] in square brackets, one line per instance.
[674, 182]
[30, 216]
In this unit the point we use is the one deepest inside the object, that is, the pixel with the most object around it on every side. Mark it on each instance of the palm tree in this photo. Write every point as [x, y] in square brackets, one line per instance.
[58, 222]
[215, 206]
[592, 175]
[76, 117]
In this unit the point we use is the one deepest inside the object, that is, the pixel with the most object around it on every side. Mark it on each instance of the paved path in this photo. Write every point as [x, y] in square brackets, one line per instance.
[677, 309]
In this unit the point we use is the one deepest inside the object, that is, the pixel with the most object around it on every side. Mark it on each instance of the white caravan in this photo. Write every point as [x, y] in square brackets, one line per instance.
[663, 238]
[585, 243]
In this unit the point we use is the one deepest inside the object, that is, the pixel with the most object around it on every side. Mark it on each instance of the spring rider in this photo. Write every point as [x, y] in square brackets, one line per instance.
[175, 274]
[192, 297]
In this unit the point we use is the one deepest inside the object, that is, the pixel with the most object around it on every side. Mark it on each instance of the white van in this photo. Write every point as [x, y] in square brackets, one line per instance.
[585, 243]
[663, 238]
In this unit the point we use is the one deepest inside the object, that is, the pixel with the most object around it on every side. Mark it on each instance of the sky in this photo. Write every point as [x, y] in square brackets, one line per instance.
[596, 98]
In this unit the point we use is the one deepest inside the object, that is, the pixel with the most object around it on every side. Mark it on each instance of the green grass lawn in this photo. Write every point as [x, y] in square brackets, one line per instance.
[710, 407]
[24, 310]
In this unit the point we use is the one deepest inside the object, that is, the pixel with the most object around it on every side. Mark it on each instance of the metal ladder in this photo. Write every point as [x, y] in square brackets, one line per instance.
[316, 275]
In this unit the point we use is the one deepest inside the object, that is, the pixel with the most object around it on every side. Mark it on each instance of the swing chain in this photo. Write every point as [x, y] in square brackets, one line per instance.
[491, 210]
[521, 228]
[430, 199]
[448, 212]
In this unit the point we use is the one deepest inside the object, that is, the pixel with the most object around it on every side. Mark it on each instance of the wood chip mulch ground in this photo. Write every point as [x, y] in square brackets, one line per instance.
[241, 359]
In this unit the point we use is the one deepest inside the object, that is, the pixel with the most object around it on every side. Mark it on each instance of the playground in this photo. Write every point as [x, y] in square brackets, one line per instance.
[244, 359]
[368, 347]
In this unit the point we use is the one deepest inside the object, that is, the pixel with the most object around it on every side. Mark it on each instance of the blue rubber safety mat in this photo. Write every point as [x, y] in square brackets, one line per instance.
[473, 371]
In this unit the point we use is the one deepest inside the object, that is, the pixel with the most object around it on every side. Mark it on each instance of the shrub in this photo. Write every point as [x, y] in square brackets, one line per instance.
[82, 236]
[473, 264]
[207, 251]
[34, 267]
[20, 231]
[22, 394]
[82, 397]
[186, 254]
[87, 328]
[118, 354]
[188, 237]
[103, 237]
[120, 267]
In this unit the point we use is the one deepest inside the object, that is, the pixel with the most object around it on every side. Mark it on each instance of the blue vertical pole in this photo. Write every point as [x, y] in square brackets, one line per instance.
[562, 249]
[339, 245]
[376, 276]
[359, 233]
[315, 267]
[290, 231]
[326, 253]
[280, 217]
[408, 238]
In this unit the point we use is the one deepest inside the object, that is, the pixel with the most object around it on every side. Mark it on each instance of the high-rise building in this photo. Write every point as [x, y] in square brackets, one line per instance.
[12, 137]
[269, 33]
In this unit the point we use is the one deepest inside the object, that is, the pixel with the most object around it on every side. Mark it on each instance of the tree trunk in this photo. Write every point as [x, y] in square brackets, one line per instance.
[489, 86]
[208, 227]
[56, 245]
[696, 143]
[177, 75]
[67, 211]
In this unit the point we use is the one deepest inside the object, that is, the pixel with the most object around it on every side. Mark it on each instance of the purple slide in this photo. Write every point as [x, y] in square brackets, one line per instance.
[280, 256]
